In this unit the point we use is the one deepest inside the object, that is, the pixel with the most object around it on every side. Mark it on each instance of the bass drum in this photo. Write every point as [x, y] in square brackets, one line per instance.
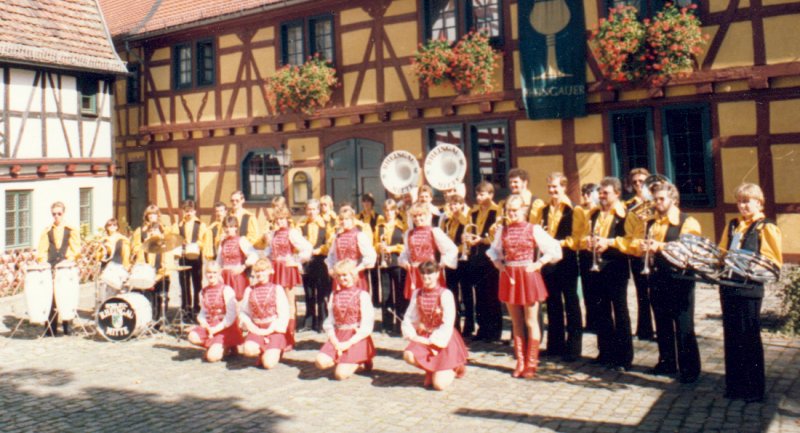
[67, 289]
[123, 317]
[38, 292]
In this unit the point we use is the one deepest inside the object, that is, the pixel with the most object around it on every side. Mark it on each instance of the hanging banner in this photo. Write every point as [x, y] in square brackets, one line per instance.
[552, 46]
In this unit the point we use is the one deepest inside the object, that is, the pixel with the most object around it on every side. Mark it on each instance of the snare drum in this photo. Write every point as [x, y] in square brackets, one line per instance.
[114, 276]
[143, 277]
[124, 316]
[38, 292]
[67, 290]
[192, 251]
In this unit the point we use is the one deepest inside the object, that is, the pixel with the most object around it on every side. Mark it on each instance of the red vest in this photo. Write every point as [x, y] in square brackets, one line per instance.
[262, 302]
[214, 304]
[281, 246]
[347, 306]
[421, 245]
[347, 245]
[429, 308]
[518, 243]
[232, 254]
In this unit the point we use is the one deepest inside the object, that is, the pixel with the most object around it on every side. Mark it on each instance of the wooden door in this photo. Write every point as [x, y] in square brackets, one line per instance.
[137, 192]
[353, 168]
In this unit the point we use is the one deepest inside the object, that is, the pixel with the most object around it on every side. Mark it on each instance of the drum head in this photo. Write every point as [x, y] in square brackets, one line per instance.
[116, 319]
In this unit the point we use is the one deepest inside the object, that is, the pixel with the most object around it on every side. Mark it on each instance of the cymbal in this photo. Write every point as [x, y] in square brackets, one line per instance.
[178, 268]
[160, 244]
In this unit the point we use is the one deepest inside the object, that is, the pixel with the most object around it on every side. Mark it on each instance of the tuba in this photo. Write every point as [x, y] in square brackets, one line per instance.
[400, 172]
[445, 167]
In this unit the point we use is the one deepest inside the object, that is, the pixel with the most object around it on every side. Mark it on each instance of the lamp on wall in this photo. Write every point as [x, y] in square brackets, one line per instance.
[284, 156]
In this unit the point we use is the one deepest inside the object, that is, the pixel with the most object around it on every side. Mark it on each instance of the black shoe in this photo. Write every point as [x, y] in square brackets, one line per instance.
[67, 330]
[50, 332]
[688, 378]
[620, 368]
[598, 361]
[569, 358]
[753, 399]
[662, 370]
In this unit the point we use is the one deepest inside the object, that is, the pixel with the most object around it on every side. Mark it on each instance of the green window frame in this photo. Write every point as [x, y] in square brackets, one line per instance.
[452, 19]
[632, 141]
[206, 63]
[490, 155]
[293, 43]
[688, 160]
[188, 178]
[182, 66]
[133, 84]
[85, 208]
[88, 87]
[18, 219]
[262, 175]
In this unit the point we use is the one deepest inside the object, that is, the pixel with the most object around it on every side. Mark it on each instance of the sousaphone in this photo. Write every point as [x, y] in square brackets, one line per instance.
[400, 172]
[445, 167]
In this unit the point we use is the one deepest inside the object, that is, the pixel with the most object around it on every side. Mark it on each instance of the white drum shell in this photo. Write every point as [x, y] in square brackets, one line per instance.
[192, 251]
[39, 293]
[114, 276]
[142, 310]
[67, 290]
[143, 277]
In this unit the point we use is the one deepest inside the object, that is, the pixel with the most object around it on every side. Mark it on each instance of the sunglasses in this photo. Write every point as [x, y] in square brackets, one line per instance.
[58, 213]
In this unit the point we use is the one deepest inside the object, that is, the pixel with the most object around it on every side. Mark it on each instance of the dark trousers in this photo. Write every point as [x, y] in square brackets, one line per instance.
[191, 283]
[317, 289]
[483, 278]
[563, 307]
[372, 278]
[394, 303]
[52, 320]
[463, 295]
[673, 305]
[591, 302]
[613, 319]
[744, 352]
[644, 321]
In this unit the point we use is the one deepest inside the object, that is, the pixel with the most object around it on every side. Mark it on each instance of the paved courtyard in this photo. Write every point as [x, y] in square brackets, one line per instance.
[84, 384]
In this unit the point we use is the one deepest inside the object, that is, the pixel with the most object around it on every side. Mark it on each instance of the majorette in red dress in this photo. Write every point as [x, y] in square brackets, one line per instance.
[230, 256]
[266, 306]
[215, 309]
[431, 314]
[519, 247]
[347, 318]
[356, 246]
[422, 244]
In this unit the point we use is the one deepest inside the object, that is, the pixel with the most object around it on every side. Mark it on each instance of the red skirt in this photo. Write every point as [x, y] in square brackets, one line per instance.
[359, 353]
[238, 282]
[275, 340]
[229, 337]
[415, 276]
[286, 276]
[451, 357]
[528, 287]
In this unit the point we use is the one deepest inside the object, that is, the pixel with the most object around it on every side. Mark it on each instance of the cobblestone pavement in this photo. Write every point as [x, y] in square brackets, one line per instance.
[83, 384]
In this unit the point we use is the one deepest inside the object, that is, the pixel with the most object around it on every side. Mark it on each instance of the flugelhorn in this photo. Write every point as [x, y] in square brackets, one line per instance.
[595, 259]
[647, 238]
[385, 256]
[468, 236]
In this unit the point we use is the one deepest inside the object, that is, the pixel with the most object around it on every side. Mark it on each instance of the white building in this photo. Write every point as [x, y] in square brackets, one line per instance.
[56, 127]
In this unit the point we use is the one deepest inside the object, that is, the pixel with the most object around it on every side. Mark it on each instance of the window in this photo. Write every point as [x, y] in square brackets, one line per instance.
[205, 63]
[687, 153]
[133, 83]
[631, 142]
[485, 146]
[85, 210]
[87, 86]
[18, 219]
[188, 178]
[305, 38]
[490, 155]
[301, 188]
[182, 56]
[451, 19]
[262, 176]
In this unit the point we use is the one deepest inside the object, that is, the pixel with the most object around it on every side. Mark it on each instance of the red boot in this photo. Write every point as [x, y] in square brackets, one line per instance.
[532, 359]
[290, 336]
[428, 380]
[519, 353]
[460, 371]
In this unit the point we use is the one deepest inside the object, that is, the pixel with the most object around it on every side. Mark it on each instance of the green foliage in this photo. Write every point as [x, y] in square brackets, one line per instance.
[790, 299]
[303, 88]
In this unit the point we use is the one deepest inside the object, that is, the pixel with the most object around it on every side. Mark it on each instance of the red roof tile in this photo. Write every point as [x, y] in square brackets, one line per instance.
[64, 33]
[131, 18]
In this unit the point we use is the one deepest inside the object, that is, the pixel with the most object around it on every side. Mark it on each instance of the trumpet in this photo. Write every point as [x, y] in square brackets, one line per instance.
[595, 259]
[648, 237]
[384, 242]
[470, 235]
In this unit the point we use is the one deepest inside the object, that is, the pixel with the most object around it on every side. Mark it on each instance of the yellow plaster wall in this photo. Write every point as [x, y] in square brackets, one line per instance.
[152, 112]
[207, 187]
[367, 93]
[706, 220]
[444, 90]
[399, 7]
[230, 40]
[634, 95]
[133, 121]
[264, 59]
[737, 47]
[394, 89]
[590, 14]
[356, 43]
[517, 66]
[738, 165]
[229, 67]
[776, 2]
[709, 32]
[718, 5]
[170, 157]
[784, 116]
[504, 106]
[240, 104]
[737, 118]
[355, 15]
[209, 155]
[731, 86]
[194, 101]
[781, 38]
[161, 188]
[161, 54]
[264, 34]
[468, 109]
[786, 172]
[788, 223]
[160, 77]
[259, 105]
[535, 133]
[514, 9]
[409, 140]
[779, 82]
[304, 148]
[591, 167]
[589, 129]
[680, 90]
[538, 167]
[403, 37]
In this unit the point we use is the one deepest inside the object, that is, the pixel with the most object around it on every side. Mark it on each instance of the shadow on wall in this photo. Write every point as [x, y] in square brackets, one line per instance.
[105, 409]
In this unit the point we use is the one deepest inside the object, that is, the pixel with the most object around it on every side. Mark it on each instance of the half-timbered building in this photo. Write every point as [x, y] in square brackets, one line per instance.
[194, 121]
[57, 68]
